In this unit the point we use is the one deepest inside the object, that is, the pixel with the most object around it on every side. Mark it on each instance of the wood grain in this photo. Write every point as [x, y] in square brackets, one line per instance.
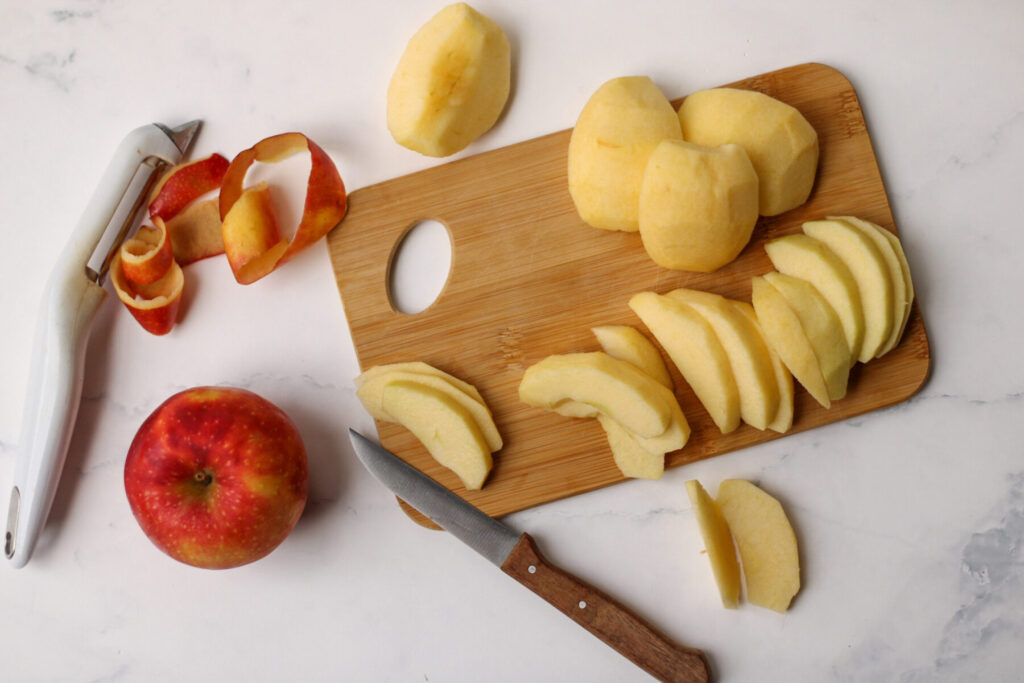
[614, 624]
[530, 279]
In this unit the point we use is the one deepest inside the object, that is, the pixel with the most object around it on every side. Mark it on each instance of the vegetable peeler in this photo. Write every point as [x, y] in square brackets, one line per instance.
[71, 299]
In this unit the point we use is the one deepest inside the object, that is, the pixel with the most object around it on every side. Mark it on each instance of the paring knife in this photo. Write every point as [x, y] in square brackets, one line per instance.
[517, 555]
[72, 296]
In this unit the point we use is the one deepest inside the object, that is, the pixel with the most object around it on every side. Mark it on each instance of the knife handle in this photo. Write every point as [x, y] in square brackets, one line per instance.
[618, 627]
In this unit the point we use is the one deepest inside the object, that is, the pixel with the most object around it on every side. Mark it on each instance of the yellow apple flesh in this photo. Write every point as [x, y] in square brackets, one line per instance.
[451, 82]
[625, 342]
[867, 265]
[718, 543]
[443, 426]
[766, 543]
[697, 205]
[694, 348]
[783, 419]
[781, 144]
[747, 352]
[619, 127]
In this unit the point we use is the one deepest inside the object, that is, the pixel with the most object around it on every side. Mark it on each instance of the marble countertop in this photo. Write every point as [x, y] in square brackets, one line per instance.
[911, 519]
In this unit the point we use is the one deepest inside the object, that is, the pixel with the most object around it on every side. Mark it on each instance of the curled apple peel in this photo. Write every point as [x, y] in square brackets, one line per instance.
[185, 183]
[153, 302]
[252, 241]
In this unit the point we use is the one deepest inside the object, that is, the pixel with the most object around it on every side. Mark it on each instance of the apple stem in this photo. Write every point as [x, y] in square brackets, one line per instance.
[203, 477]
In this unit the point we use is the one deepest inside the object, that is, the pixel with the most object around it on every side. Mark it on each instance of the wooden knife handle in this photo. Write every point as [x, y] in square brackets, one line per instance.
[627, 633]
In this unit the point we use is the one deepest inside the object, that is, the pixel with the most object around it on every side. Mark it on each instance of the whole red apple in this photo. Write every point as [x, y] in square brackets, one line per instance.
[216, 477]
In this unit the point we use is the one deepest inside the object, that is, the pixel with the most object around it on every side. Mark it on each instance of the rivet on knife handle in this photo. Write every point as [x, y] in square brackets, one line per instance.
[618, 627]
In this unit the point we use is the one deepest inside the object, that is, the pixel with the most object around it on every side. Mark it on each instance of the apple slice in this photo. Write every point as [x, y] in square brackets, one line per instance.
[419, 367]
[822, 327]
[896, 261]
[766, 542]
[783, 420]
[625, 342]
[632, 459]
[811, 260]
[786, 336]
[867, 265]
[694, 347]
[612, 387]
[371, 393]
[747, 352]
[445, 428]
[718, 543]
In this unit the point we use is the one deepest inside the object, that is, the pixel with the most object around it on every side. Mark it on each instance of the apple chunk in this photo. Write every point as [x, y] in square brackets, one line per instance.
[619, 127]
[451, 83]
[718, 543]
[766, 543]
[694, 347]
[596, 380]
[443, 426]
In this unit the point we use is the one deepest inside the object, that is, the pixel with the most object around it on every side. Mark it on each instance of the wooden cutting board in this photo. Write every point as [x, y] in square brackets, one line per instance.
[529, 279]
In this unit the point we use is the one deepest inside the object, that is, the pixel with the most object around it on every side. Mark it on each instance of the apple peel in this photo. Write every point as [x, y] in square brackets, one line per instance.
[186, 183]
[252, 240]
[153, 302]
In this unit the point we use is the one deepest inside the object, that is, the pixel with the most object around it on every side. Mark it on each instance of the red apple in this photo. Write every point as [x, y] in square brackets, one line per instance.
[216, 477]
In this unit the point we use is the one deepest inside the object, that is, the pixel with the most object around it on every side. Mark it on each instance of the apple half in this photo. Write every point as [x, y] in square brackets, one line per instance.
[766, 542]
[747, 352]
[694, 348]
[445, 428]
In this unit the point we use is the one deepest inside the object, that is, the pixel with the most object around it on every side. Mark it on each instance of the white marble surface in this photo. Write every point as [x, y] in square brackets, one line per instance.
[911, 519]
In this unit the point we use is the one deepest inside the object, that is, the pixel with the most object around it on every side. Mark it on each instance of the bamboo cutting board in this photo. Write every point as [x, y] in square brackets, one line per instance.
[529, 279]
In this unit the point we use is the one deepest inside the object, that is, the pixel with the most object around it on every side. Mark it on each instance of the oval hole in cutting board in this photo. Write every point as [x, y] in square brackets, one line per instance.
[419, 267]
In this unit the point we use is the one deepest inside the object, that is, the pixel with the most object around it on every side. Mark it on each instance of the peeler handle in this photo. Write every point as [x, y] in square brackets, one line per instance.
[71, 298]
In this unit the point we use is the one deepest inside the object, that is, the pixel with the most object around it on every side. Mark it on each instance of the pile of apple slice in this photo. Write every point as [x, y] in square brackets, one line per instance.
[626, 387]
[763, 535]
[446, 414]
[240, 222]
[841, 293]
[719, 348]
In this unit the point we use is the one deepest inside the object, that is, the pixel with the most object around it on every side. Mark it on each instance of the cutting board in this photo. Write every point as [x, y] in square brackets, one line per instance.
[528, 279]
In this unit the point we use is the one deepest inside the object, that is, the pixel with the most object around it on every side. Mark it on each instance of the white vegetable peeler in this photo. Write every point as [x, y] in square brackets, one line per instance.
[72, 296]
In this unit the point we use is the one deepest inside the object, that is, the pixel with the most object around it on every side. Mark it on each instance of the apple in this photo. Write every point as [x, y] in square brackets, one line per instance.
[602, 384]
[786, 336]
[697, 205]
[747, 352]
[371, 393]
[718, 543]
[783, 420]
[812, 260]
[625, 342]
[766, 543]
[782, 145]
[865, 262]
[619, 127]
[632, 459]
[694, 348]
[216, 477]
[822, 327]
[445, 428]
[451, 83]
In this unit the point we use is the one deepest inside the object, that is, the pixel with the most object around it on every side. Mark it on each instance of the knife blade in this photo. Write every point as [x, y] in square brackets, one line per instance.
[517, 555]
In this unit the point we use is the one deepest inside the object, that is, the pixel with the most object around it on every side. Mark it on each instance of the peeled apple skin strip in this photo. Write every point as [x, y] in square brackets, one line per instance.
[251, 240]
[153, 302]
